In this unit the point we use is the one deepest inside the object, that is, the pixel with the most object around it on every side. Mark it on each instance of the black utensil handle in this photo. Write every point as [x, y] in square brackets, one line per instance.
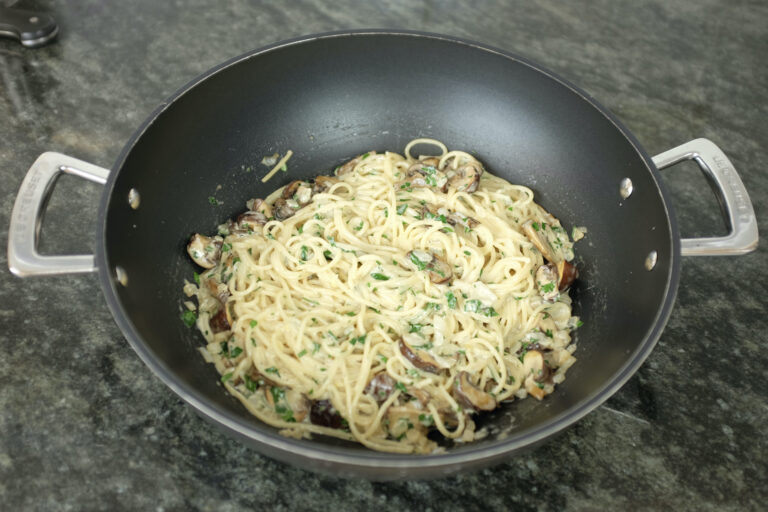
[31, 28]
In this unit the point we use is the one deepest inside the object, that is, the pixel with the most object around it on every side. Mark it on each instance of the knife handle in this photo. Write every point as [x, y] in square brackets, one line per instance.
[32, 29]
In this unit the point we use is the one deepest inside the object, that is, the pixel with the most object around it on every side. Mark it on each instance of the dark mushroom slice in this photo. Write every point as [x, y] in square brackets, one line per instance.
[251, 219]
[380, 386]
[567, 274]
[532, 231]
[419, 358]
[470, 396]
[284, 208]
[259, 205]
[350, 166]
[464, 179]
[299, 191]
[219, 322]
[323, 413]
[546, 281]
[323, 183]
[205, 251]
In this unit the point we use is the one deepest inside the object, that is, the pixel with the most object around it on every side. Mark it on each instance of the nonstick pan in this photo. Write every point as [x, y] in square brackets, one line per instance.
[330, 97]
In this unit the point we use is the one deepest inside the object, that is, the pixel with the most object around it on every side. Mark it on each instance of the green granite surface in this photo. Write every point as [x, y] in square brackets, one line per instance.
[84, 425]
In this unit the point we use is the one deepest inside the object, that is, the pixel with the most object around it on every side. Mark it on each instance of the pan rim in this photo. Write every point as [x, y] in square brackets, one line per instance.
[355, 457]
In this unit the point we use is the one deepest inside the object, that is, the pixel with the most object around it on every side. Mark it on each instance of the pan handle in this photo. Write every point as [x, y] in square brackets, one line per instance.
[729, 189]
[28, 211]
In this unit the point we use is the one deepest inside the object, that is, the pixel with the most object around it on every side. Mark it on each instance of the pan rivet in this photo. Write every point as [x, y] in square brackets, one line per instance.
[121, 276]
[626, 188]
[650, 261]
[134, 199]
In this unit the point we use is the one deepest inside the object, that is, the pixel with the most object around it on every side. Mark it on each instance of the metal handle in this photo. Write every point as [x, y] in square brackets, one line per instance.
[31, 28]
[734, 200]
[28, 211]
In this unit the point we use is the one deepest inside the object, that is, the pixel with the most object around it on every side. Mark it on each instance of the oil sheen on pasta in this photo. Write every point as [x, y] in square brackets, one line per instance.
[387, 304]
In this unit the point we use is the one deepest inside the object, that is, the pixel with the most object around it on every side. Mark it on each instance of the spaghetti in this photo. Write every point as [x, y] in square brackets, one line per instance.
[389, 303]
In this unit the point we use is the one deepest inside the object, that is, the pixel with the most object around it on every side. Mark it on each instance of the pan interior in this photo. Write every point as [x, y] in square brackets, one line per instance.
[331, 98]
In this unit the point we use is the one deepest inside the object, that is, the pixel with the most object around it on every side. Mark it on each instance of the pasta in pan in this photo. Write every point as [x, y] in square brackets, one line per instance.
[388, 303]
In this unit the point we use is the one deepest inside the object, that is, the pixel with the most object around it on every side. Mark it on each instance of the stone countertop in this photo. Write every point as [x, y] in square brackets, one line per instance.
[85, 425]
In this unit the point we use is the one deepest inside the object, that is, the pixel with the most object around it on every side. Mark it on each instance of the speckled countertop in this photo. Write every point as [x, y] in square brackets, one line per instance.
[84, 425]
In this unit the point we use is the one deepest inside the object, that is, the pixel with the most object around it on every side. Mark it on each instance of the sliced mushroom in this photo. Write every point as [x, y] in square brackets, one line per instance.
[259, 205]
[284, 208]
[219, 322]
[421, 359]
[380, 386]
[299, 191]
[205, 251]
[419, 394]
[567, 274]
[425, 174]
[438, 270]
[323, 183]
[470, 396]
[464, 179]
[537, 238]
[350, 166]
[537, 371]
[323, 413]
[457, 219]
[546, 281]
[250, 219]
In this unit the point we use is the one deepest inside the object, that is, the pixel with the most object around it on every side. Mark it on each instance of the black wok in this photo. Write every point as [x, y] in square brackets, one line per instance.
[333, 96]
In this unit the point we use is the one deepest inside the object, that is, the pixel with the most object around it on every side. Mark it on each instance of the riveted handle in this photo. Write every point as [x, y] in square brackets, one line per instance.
[31, 28]
[730, 191]
[28, 211]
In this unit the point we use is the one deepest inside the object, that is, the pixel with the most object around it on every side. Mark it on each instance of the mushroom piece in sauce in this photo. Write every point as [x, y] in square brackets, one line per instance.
[299, 191]
[259, 205]
[546, 281]
[284, 208]
[323, 413]
[350, 166]
[205, 251]
[323, 183]
[419, 358]
[464, 179]
[471, 396]
[537, 371]
[380, 386]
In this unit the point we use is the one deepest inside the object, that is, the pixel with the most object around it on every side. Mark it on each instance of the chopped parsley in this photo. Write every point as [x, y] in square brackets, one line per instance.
[189, 318]
[302, 353]
[359, 339]
[548, 288]
[304, 252]
[475, 306]
[400, 387]
[379, 277]
[274, 370]
[401, 209]
[416, 261]
[196, 277]
[213, 201]
[234, 352]
[227, 376]
[451, 298]
[414, 327]
[254, 323]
